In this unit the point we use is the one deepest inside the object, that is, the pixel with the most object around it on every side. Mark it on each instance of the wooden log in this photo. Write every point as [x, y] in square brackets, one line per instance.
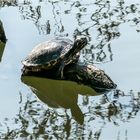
[88, 75]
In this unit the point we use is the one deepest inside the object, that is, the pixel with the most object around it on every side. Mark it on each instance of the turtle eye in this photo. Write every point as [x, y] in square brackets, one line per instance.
[79, 43]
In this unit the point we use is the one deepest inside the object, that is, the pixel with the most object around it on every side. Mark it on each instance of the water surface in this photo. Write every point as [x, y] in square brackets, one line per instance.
[31, 109]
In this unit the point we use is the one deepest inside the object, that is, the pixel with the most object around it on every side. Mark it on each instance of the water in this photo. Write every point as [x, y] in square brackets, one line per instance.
[31, 108]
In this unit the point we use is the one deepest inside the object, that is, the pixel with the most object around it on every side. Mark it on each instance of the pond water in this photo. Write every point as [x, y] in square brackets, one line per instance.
[40, 108]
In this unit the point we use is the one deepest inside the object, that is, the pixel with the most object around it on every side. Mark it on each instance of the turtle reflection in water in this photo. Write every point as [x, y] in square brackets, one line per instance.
[59, 94]
[60, 56]
[54, 53]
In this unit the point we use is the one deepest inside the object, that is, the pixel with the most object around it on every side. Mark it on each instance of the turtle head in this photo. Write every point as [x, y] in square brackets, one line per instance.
[79, 43]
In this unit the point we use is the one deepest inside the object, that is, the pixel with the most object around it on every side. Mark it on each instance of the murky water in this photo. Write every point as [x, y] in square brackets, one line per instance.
[36, 108]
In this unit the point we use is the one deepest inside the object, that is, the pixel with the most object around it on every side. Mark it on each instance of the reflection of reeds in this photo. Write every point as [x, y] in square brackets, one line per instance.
[98, 21]
[41, 119]
[4, 3]
[8, 3]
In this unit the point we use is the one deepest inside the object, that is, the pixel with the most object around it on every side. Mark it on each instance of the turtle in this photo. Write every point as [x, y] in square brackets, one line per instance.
[57, 52]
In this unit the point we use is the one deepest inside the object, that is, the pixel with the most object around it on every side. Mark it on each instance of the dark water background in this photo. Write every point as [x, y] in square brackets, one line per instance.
[63, 110]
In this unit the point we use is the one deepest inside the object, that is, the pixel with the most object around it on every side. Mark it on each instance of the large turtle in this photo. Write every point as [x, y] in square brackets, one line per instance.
[56, 52]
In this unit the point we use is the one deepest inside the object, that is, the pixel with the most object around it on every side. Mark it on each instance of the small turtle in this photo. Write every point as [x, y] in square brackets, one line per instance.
[56, 52]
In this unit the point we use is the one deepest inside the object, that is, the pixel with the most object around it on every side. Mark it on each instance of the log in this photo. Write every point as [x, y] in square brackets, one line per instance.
[91, 76]
[88, 75]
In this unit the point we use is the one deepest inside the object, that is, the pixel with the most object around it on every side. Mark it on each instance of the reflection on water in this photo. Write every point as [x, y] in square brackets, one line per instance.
[107, 25]
[99, 21]
[2, 46]
[37, 120]
[56, 93]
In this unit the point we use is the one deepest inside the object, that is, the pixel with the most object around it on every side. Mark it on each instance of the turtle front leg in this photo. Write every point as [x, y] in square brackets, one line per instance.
[60, 72]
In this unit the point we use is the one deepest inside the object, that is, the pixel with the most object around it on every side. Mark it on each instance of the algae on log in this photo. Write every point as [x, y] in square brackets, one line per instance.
[88, 75]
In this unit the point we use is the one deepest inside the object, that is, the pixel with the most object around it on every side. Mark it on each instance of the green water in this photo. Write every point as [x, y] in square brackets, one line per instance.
[36, 108]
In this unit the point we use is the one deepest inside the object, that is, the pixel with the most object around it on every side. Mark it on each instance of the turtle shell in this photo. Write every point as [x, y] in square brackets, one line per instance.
[48, 54]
